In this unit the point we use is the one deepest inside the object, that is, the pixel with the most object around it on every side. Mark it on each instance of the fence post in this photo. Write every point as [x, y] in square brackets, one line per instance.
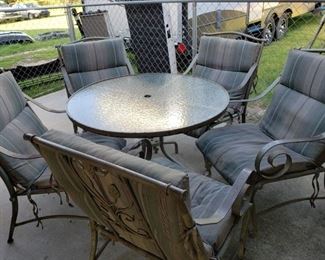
[194, 28]
[71, 30]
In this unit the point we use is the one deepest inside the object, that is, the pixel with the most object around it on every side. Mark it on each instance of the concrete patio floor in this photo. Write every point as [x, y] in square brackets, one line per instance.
[293, 232]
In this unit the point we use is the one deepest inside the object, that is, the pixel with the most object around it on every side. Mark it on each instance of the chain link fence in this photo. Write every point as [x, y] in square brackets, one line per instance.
[159, 36]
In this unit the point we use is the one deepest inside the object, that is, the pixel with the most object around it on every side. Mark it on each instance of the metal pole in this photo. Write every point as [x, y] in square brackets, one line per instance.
[194, 29]
[71, 31]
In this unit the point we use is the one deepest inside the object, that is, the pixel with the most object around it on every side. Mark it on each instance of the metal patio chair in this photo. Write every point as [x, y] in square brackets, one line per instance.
[161, 212]
[232, 63]
[91, 60]
[22, 169]
[288, 142]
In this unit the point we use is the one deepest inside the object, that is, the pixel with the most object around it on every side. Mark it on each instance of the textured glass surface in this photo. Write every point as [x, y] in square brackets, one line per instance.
[147, 105]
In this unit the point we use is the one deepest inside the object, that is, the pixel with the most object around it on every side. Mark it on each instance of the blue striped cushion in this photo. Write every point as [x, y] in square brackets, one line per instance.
[12, 101]
[233, 148]
[15, 120]
[24, 172]
[82, 79]
[227, 54]
[89, 62]
[297, 109]
[226, 61]
[113, 142]
[228, 79]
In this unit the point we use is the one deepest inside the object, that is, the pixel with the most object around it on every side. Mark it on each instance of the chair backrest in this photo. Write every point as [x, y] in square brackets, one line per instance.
[139, 202]
[17, 118]
[297, 108]
[226, 61]
[87, 62]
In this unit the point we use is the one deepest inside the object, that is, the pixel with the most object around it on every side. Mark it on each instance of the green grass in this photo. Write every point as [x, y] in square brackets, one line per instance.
[301, 31]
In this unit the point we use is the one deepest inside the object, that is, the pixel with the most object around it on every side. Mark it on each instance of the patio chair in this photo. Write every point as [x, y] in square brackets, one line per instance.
[22, 169]
[233, 64]
[91, 60]
[288, 142]
[162, 212]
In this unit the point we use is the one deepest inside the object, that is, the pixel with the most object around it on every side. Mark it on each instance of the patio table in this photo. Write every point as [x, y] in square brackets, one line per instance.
[147, 105]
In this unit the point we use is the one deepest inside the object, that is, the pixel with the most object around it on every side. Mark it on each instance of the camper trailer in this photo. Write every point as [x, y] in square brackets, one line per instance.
[174, 20]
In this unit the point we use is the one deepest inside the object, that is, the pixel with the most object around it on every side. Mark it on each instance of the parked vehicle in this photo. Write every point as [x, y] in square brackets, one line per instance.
[30, 12]
[52, 35]
[7, 15]
[14, 37]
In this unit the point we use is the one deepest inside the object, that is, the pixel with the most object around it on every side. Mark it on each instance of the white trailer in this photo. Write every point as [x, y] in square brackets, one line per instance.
[265, 19]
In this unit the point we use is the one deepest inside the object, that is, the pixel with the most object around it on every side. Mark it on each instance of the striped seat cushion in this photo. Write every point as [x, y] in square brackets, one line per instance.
[134, 163]
[206, 196]
[297, 109]
[113, 142]
[24, 172]
[225, 61]
[16, 119]
[93, 61]
[233, 148]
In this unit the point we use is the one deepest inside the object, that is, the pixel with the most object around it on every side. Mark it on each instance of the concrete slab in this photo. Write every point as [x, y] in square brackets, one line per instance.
[293, 232]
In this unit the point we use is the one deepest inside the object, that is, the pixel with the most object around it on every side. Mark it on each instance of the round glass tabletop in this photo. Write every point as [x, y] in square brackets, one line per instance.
[147, 105]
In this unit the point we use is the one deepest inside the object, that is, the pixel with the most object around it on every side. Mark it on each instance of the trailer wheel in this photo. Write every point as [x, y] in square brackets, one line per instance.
[269, 30]
[282, 26]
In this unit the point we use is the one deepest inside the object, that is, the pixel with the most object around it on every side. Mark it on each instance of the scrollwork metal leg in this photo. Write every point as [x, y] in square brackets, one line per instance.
[173, 143]
[162, 148]
[244, 234]
[253, 216]
[14, 204]
[94, 240]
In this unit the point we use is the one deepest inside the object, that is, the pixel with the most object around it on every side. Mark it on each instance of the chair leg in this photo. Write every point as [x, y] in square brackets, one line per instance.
[244, 234]
[243, 117]
[75, 128]
[14, 204]
[253, 216]
[94, 240]
[175, 145]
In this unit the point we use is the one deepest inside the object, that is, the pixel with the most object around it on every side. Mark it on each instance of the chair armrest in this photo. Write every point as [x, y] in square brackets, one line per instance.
[129, 66]
[247, 36]
[236, 191]
[190, 67]
[260, 96]
[313, 50]
[17, 155]
[246, 79]
[281, 152]
[28, 98]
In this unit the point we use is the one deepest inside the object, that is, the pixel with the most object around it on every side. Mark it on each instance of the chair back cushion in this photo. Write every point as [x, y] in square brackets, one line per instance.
[297, 109]
[92, 61]
[131, 197]
[16, 119]
[225, 61]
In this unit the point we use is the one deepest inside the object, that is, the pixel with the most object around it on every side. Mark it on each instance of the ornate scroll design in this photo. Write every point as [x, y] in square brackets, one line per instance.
[108, 198]
[280, 170]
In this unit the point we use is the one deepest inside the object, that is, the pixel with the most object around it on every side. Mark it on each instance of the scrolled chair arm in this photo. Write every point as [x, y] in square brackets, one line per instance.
[28, 98]
[281, 152]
